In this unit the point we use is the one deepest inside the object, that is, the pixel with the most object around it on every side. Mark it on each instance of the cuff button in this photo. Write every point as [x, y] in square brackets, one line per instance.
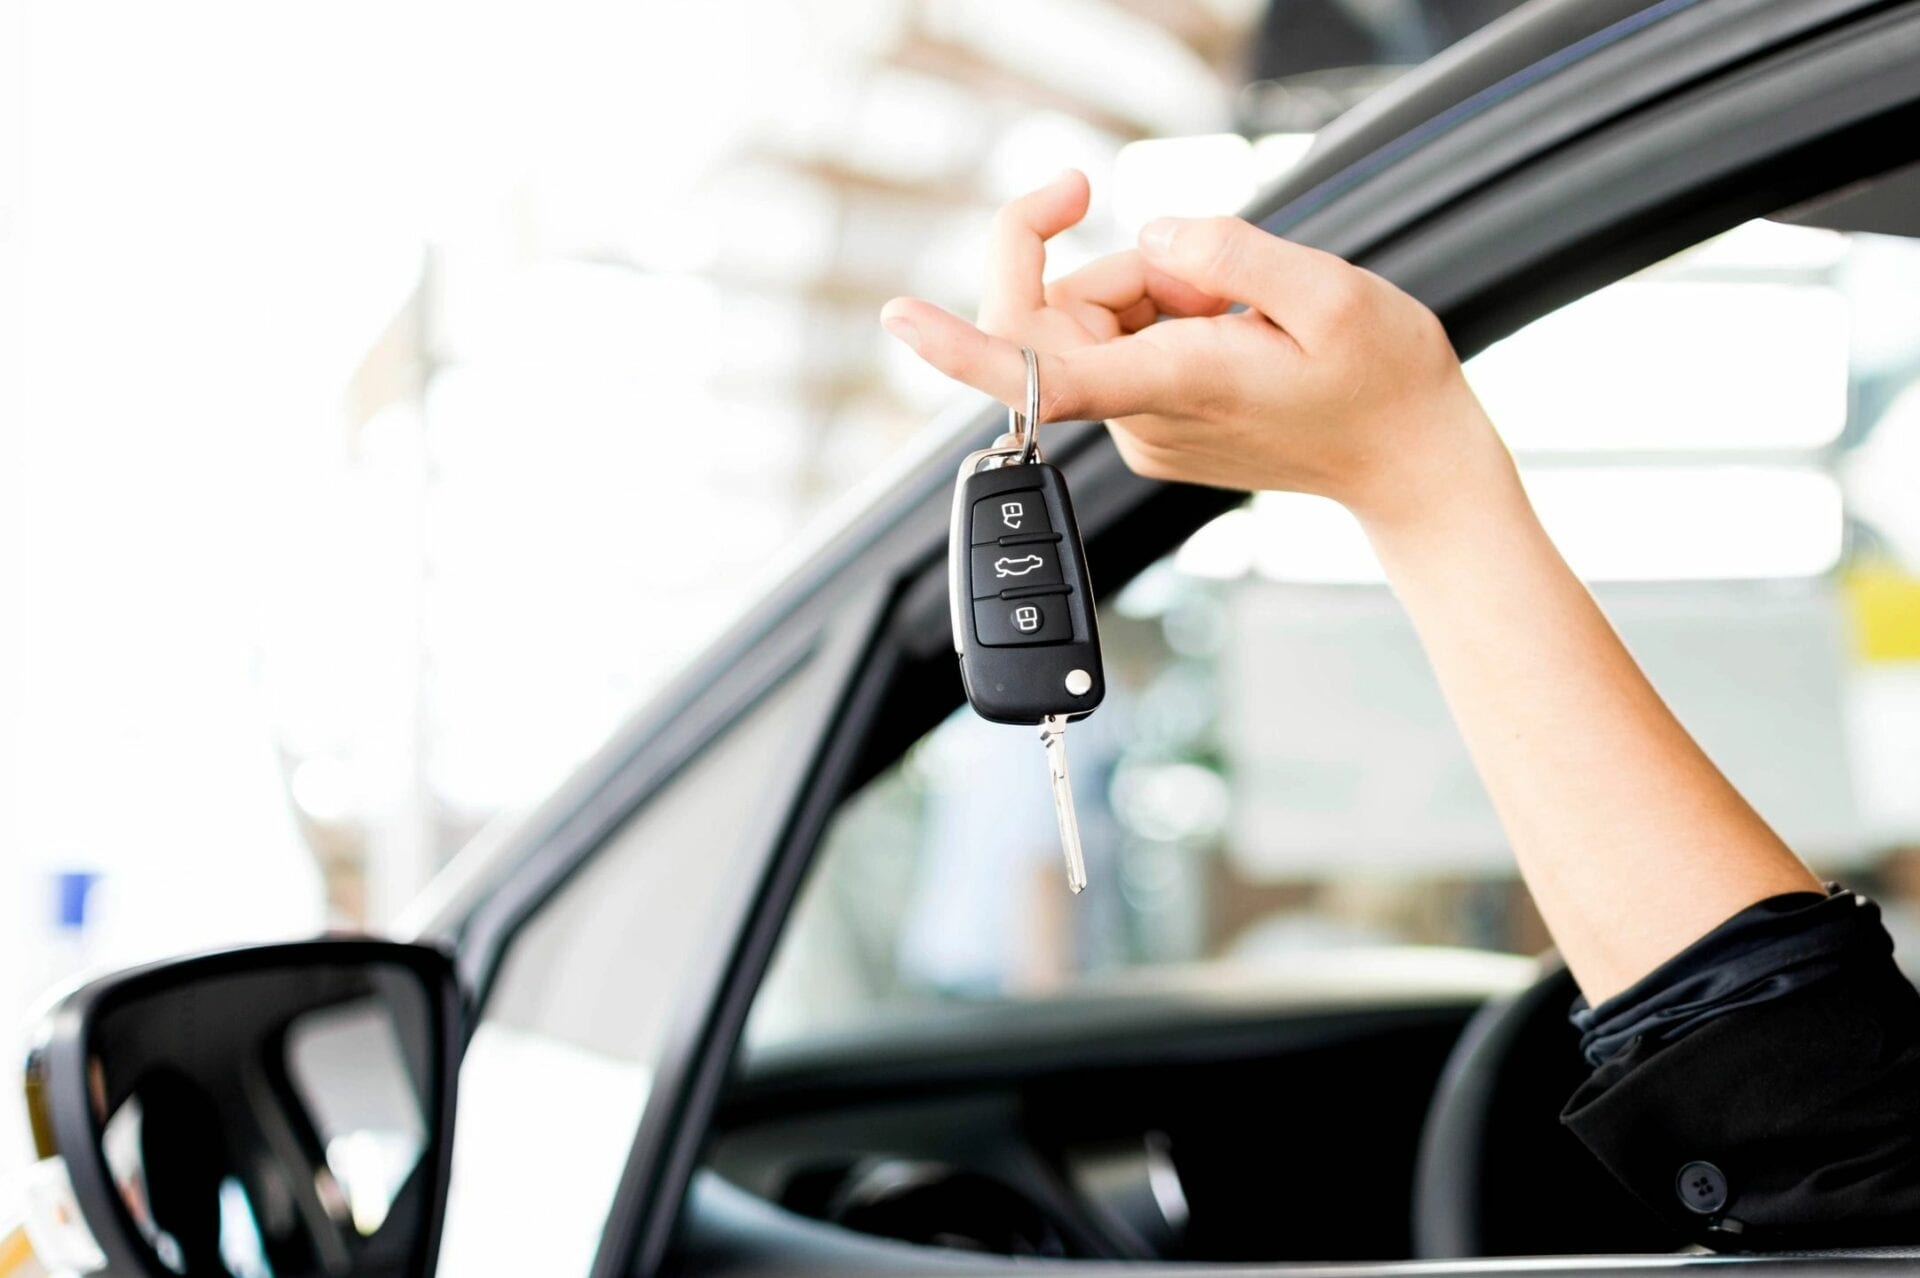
[1702, 1188]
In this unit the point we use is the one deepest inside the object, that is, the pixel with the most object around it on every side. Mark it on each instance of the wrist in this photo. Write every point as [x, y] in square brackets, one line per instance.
[1464, 476]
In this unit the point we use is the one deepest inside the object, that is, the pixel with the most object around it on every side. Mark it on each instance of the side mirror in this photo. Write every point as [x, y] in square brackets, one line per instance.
[279, 1110]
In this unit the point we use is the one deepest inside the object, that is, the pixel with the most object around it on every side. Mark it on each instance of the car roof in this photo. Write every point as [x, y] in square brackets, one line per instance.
[1523, 46]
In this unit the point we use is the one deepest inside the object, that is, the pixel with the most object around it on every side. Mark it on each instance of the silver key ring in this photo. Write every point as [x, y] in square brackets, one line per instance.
[1025, 427]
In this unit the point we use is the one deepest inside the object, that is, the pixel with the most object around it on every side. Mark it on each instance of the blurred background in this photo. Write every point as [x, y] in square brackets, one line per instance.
[391, 396]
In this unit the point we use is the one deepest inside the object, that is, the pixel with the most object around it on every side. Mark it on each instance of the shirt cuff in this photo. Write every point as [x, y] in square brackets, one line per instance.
[1768, 950]
[1760, 1089]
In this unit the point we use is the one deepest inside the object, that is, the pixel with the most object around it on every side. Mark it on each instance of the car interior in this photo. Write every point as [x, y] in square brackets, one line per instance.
[1306, 1012]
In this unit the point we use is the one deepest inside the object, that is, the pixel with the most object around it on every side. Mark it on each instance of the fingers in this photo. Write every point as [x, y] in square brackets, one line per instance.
[1123, 283]
[1017, 252]
[1303, 290]
[1136, 317]
[1113, 379]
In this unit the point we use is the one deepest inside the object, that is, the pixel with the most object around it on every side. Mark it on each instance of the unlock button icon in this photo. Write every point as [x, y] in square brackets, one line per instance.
[1021, 513]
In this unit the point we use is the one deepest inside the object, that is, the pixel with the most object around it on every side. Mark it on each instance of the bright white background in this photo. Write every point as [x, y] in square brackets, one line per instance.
[391, 395]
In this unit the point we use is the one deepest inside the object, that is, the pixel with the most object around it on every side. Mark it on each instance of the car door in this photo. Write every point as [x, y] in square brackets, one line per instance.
[1562, 149]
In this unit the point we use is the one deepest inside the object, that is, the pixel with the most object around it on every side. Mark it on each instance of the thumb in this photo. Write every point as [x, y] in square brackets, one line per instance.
[1090, 383]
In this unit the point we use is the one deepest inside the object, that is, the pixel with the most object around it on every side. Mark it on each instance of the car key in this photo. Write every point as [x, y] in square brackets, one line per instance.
[1022, 605]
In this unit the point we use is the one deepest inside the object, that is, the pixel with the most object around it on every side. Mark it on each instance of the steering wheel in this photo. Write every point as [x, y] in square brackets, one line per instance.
[1498, 1174]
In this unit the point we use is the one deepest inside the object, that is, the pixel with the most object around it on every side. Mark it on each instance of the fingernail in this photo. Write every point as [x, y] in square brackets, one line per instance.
[902, 328]
[1157, 235]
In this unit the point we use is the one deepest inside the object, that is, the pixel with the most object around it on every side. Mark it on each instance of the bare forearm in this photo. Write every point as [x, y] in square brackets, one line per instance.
[1632, 842]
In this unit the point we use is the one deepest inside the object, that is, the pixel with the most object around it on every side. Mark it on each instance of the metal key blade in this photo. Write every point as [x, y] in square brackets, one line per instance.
[1053, 735]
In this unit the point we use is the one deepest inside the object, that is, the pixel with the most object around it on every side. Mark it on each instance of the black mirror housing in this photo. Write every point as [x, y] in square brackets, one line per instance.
[283, 1109]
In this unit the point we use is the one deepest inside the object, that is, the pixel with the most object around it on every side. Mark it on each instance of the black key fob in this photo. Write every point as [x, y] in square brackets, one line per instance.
[1023, 611]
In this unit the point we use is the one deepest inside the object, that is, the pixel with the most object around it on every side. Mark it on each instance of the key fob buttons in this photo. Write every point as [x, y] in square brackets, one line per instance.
[1005, 623]
[999, 567]
[1011, 514]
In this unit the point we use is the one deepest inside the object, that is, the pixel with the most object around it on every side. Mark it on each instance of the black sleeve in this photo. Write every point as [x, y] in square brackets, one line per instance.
[1775, 1102]
[1771, 948]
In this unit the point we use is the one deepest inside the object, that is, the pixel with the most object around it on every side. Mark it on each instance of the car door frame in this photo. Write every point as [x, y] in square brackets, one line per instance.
[1460, 208]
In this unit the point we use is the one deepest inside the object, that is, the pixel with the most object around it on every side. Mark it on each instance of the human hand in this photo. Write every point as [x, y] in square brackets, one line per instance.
[1332, 381]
